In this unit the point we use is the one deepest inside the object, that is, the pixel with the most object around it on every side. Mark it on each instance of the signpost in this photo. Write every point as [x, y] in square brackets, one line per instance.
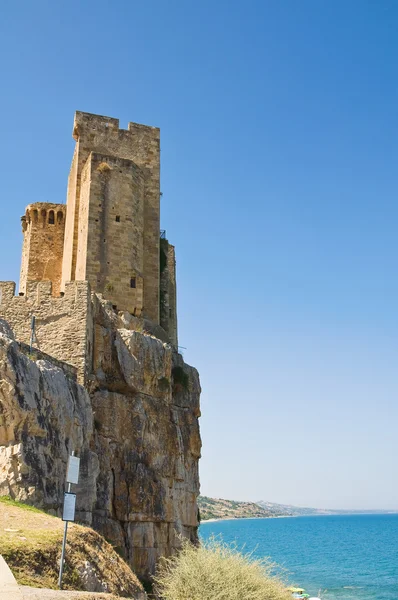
[72, 476]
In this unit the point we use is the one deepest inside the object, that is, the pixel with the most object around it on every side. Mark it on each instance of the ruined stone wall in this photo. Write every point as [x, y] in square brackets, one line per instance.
[43, 227]
[171, 264]
[111, 223]
[168, 291]
[140, 144]
[63, 325]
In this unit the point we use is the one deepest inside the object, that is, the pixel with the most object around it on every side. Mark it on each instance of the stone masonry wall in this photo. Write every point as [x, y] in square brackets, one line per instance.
[63, 325]
[111, 225]
[140, 144]
[43, 227]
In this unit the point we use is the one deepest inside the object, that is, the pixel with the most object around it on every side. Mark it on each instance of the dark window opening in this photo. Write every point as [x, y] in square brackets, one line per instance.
[117, 219]
[51, 217]
[132, 282]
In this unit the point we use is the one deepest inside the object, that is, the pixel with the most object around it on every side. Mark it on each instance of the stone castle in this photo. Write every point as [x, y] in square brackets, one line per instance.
[106, 239]
[104, 378]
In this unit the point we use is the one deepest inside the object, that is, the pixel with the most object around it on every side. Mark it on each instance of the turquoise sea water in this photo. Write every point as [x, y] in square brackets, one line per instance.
[353, 557]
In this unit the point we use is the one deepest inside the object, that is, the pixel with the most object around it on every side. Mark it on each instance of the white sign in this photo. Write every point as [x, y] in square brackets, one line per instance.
[69, 507]
[72, 475]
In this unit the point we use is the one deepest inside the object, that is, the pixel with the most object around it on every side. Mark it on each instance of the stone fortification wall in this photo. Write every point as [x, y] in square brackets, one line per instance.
[43, 227]
[110, 246]
[168, 291]
[63, 325]
[140, 144]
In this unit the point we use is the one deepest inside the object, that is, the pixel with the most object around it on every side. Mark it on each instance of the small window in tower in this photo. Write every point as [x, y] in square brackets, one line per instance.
[51, 217]
[117, 218]
[132, 282]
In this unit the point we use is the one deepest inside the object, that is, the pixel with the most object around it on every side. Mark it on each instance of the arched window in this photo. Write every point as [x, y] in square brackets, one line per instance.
[60, 217]
[51, 217]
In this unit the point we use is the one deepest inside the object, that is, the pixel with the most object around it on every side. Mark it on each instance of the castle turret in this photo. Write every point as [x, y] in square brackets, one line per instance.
[43, 227]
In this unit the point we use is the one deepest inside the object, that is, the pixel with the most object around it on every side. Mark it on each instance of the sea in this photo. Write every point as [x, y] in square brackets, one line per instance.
[350, 557]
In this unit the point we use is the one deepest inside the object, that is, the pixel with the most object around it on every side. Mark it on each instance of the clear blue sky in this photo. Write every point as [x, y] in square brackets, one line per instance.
[279, 132]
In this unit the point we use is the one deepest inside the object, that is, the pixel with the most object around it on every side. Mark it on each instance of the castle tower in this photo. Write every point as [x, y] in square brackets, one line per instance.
[43, 227]
[113, 213]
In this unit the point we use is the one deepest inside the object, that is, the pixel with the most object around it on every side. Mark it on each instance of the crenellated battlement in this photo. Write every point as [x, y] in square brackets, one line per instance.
[85, 123]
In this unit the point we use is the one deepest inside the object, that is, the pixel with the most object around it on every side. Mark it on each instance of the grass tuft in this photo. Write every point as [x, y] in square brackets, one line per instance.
[10, 502]
[215, 571]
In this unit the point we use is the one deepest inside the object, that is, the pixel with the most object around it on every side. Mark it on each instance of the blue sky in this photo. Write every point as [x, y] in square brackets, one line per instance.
[279, 134]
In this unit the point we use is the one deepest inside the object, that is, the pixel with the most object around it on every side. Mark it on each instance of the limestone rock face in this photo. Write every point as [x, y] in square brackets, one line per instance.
[135, 428]
[148, 443]
[44, 415]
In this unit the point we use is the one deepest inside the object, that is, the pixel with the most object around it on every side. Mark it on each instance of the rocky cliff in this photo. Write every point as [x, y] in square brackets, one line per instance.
[135, 428]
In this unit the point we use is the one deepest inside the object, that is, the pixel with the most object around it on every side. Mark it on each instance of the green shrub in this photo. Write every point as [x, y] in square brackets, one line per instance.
[180, 378]
[215, 571]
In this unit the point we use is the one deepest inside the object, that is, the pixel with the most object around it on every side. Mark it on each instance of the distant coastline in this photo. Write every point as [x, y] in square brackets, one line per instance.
[219, 509]
[215, 520]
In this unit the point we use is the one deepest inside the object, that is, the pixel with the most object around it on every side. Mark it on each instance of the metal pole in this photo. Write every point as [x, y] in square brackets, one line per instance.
[61, 566]
[32, 332]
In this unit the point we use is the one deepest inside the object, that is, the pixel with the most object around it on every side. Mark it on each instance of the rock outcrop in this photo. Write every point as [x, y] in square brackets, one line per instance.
[44, 415]
[135, 428]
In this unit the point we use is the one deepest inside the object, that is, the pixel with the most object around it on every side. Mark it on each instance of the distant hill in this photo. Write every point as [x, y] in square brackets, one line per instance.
[298, 511]
[218, 508]
[289, 509]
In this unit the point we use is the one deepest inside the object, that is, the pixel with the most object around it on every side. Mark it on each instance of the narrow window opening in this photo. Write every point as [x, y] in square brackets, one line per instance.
[117, 218]
[132, 282]
[51, 217]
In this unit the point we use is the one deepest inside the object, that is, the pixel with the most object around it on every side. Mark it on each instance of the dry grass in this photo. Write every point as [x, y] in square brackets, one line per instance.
[30, 541]
[215, 571]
